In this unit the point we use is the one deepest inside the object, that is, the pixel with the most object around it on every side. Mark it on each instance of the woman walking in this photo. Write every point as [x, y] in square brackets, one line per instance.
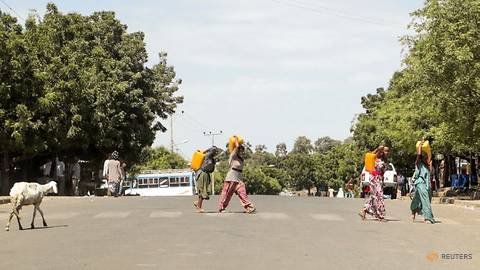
[375, 205]
[233, 181]
[421, 197]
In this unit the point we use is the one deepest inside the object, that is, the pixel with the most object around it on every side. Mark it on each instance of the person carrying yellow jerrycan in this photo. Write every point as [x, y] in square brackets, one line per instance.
[232, 142]
[425, 148]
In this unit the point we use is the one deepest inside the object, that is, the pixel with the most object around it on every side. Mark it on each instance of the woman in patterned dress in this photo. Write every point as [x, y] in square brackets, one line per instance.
[375, 206]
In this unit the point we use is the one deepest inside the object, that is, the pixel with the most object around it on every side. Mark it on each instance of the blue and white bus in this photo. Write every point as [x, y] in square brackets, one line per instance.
[163, 183]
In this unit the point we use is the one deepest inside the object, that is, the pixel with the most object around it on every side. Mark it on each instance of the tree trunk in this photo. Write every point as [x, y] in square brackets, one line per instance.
[5, 174]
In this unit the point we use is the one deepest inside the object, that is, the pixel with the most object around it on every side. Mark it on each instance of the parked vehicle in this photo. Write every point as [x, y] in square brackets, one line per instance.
[163, 183]
[389, 182]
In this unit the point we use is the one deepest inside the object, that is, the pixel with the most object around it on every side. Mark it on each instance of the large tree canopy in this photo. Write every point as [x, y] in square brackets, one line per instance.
[72, 83]
[437, 92]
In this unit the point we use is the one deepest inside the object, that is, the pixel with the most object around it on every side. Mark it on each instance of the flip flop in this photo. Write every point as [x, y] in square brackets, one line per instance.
[361, 216]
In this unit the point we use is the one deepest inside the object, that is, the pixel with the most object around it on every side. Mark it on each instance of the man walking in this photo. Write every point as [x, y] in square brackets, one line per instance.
[60, 175]
[75, 175]
[114, 174]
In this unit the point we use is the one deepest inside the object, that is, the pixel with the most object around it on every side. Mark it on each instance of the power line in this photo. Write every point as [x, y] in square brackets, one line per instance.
[193, 120]
[337, 13]
[11, 9]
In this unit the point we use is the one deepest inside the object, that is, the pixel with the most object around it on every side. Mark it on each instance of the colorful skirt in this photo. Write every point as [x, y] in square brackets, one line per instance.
[375, 206]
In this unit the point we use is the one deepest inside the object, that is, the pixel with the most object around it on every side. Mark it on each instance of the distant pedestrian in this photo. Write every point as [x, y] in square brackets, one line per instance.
[104, 172]
[421, 180]
[46, 171]
[340, 193]
[114, 174]
[331, 192]
[375, 205]
[233, 183]
[349, 186]
[124, 175]
[442, 173]
[75, 171]
[402, 185]
[60, 175]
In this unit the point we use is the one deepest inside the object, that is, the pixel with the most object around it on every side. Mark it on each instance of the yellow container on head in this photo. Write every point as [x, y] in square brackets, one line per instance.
[232, 140]
[197, 160]
[370, 161]
[425, 148]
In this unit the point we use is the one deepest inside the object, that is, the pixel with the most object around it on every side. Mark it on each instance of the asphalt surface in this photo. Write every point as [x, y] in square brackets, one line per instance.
[285, 233]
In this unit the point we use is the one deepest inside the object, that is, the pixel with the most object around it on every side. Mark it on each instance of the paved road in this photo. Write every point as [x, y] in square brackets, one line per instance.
[286, 233]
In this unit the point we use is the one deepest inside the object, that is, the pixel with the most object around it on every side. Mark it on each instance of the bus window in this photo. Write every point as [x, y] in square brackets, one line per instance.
[184, 181]
[164, 182]
[174, 182]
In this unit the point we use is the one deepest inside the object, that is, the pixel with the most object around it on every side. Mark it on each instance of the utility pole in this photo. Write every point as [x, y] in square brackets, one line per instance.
[213, 134]
[172, 143]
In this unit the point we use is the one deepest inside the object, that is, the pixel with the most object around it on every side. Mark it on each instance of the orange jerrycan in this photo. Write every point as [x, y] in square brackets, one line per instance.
[232, 140]
[370, 161]
[425, 148]
[197, 160]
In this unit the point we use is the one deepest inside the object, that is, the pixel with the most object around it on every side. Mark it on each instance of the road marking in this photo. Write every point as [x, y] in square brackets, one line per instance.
[112, 215]
[278, 216]
[327, 217]
[163, 214]
[61, 215]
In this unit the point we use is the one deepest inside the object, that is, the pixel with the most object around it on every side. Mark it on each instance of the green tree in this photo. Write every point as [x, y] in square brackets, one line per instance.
[72, 83]
[325, 144]
[301, 169]
[302, 145]
[160, 158]
[281, 150]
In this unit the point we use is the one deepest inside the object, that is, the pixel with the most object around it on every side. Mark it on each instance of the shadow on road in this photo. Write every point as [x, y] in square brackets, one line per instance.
[48, 227]
[386, 220]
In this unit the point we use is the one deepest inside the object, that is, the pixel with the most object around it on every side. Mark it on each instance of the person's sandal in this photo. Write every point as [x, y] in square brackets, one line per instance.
[362, 214]
[250, 210]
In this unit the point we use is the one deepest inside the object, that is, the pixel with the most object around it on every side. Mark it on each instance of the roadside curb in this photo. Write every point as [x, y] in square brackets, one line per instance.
[4, 200]
[455, 201]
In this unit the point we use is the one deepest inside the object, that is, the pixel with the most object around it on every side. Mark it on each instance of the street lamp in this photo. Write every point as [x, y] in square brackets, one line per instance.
[177, 144]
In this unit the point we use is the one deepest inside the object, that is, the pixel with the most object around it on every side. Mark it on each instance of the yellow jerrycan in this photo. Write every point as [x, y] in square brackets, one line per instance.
[370, 161]
[425, 148]
[197, 160]
[232, 140]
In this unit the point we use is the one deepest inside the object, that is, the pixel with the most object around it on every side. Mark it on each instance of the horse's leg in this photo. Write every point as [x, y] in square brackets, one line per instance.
[17, 214]
[32, 226]
[41, 213]
[7, 227]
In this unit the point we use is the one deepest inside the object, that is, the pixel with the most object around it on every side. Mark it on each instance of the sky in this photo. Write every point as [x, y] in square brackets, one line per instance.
[268, 70]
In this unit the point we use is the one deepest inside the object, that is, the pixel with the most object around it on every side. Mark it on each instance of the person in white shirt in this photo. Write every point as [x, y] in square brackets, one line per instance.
[105, 172]
[46, 169]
